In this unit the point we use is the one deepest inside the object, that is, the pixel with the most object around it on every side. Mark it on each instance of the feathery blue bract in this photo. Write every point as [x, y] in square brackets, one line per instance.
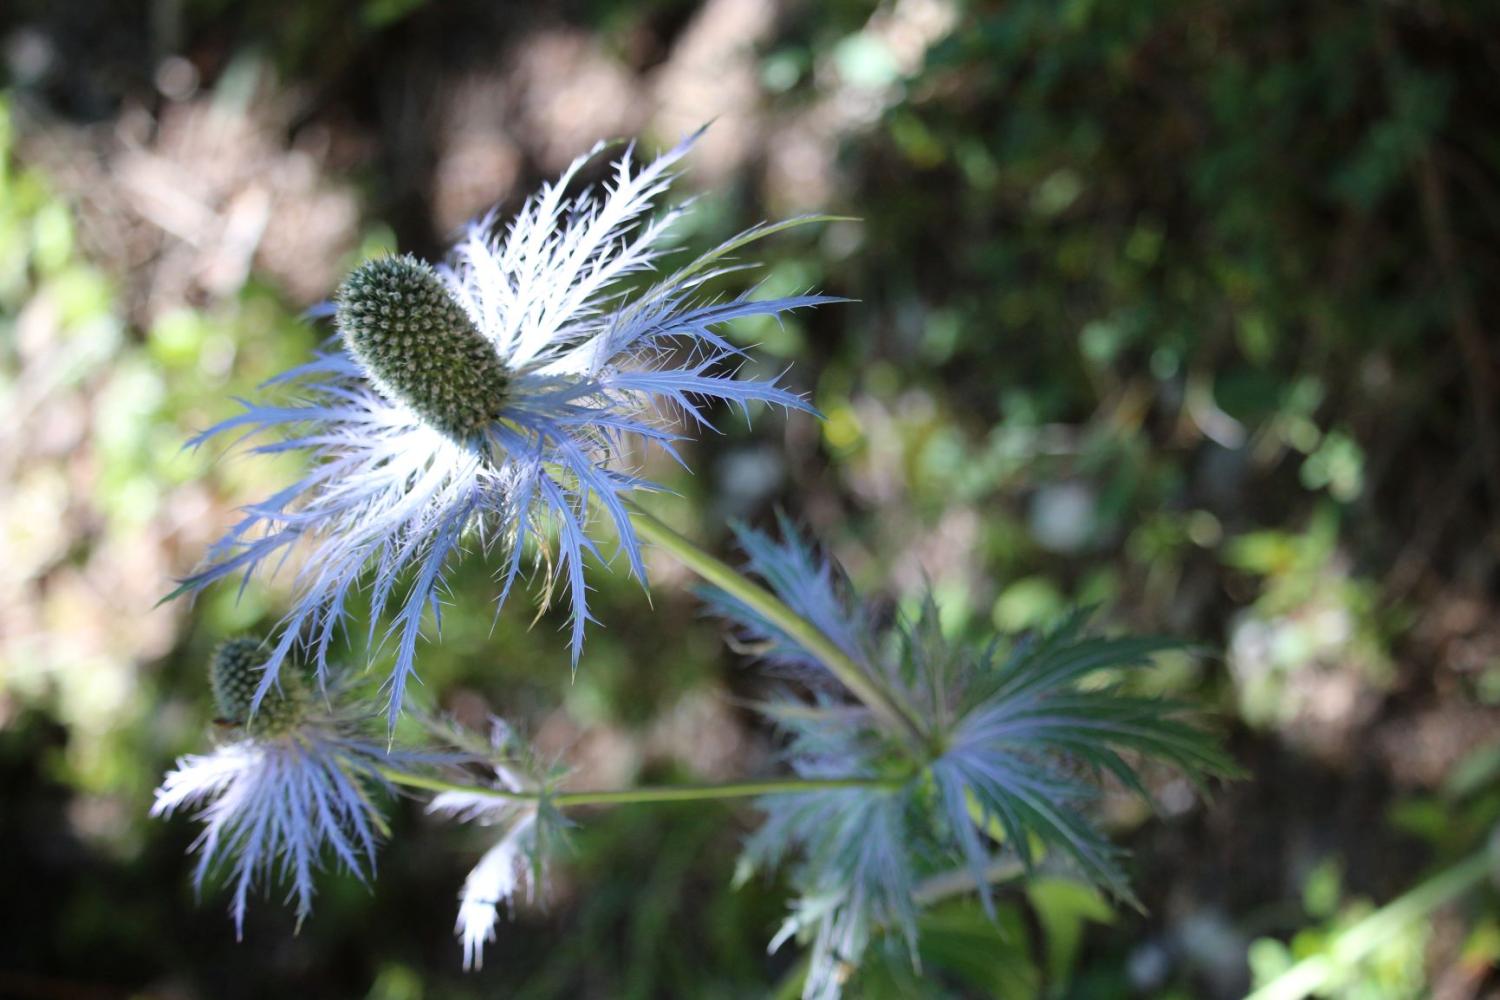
[593, 370]
[273, 807]
[1010, 750]
[1025, 745]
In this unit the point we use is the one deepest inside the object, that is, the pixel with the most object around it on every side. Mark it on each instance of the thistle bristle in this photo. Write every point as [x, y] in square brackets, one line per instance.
[419, 346]
[234, 674]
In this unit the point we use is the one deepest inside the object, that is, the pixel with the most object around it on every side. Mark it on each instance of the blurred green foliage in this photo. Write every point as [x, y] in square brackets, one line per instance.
[1158, 309]
[1395, 972]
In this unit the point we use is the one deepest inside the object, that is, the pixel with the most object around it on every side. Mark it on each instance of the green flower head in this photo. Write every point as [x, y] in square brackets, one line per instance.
[234, 674]
[419, 347]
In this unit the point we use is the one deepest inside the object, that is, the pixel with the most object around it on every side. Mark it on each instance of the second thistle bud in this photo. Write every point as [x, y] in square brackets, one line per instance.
[234, 675]
[419, 346]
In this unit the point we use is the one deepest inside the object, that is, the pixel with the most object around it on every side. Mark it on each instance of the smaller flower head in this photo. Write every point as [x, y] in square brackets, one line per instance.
[518, 810]
[234, 676]
[296, 786]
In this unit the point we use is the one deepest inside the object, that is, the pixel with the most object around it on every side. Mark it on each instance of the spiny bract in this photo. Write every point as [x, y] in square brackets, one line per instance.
[419, 347]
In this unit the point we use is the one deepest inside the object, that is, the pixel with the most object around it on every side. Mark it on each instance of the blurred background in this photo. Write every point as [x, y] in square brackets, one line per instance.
[1181, 308]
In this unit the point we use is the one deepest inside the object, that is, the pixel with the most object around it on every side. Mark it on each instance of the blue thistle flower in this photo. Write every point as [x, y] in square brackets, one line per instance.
[516, 862]
[1008, 752]
[502, 871]
[491, 401]
[296, 786]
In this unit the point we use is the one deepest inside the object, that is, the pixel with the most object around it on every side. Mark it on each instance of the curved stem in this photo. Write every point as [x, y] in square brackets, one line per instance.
[644, 794]
[866, 688]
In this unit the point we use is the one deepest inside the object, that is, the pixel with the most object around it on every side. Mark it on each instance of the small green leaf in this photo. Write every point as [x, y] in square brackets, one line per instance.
[1063, 907]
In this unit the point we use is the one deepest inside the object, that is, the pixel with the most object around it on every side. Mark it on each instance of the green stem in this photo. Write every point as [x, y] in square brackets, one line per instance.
[644, 794]
[719, 573]
[1363, 938]
[960, 881]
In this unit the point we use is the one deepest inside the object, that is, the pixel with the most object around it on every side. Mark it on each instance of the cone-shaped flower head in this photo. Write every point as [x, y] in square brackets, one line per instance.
[234, 675]
[418, 346]
[294, 788]
[494, 401]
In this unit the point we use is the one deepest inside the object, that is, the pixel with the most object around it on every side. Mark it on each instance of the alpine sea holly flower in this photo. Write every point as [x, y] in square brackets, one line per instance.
[491, 400]
[999, 764]
[516, 860]
[297, 784]
[502, 871]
